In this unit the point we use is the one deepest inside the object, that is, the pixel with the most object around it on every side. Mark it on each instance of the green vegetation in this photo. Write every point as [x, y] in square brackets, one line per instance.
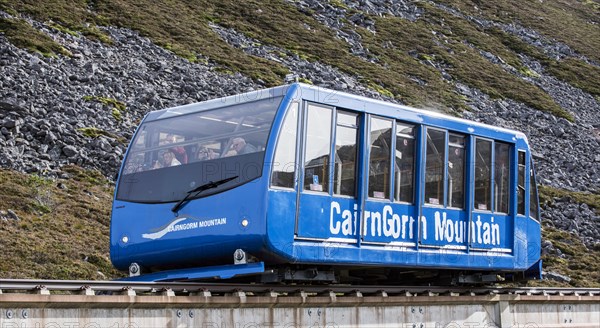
[572, 22]
[437, 38]
[93, 132]
[303, 80]
[548, 193]
[117, 106]
[63, 232]
[107, 101]
[579, 263]
[23, 35]
[41, 193]
[574, 71]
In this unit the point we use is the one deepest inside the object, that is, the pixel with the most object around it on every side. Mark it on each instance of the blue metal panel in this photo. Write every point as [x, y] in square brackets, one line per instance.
[220, 272]
[492, 231]
[322, 216]
[281, 215]
[206, 228]
[386, 222]
[444, 227]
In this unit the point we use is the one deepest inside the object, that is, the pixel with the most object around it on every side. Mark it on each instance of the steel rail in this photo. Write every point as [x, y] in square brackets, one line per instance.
[15, 285]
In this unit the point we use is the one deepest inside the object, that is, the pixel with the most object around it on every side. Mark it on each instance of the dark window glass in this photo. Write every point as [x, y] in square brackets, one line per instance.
[284, 165]
[456, 170]
[533, 195]
[170, 156]
[379, 158]
[434, 172]
[501, 177]
[521, 185]
[483, 175]
[405, 163]
[318, 145]
[345, 154]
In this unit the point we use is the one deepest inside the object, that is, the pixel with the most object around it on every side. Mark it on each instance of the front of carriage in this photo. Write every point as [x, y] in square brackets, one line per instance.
[192, 188]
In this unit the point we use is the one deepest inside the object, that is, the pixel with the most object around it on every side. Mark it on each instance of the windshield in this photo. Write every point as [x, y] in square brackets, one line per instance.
[169, 157]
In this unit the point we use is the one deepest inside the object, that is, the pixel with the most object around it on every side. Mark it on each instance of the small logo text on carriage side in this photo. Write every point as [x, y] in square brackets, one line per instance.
[183, 224]
[442, 227]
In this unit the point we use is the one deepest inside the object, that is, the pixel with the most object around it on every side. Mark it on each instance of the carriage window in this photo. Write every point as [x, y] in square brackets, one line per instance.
[318, 145]
[434, 172]
[483, 174]
[533, 195]
[171, 155]
[284, 165]
[521, 185]
[501, 177]
[405, 162]
[379, 158]
[456, 170]
[345, 154]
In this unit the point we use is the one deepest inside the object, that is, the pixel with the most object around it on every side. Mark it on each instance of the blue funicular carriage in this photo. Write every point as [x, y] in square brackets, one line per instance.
[300, 183]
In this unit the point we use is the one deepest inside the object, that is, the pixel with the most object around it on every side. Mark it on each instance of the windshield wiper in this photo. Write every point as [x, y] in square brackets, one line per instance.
[196, 191]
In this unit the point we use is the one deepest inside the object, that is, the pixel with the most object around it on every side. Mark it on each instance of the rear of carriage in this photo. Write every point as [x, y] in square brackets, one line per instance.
[192, 187]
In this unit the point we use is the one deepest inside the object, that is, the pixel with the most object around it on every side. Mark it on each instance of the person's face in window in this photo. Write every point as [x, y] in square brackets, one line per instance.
[238, 144]
[168, 158]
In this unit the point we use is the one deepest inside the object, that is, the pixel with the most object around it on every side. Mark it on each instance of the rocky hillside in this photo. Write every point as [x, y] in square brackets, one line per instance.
[76, 80]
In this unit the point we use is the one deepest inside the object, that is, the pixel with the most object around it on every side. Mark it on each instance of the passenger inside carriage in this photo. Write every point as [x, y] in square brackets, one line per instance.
[239, 147]
[168, 159]
[179, 151]
[206, 153]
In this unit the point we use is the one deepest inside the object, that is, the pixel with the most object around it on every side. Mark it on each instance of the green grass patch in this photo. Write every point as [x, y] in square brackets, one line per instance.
[412, 80]
[304, 80]
[111, 102]
[573, 71]
[547, 195]
[70, 240]
[572, 22]
[580, 264]
[23, 35]
[93, 132]
[190, 34]
[381, 90]
[117, 107]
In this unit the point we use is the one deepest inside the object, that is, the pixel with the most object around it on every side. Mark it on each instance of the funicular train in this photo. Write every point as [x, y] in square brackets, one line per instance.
[304, 184]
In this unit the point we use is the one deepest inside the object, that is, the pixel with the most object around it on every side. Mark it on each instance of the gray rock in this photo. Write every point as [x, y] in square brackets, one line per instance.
[69, 151]
[556, 277]
[12, 215]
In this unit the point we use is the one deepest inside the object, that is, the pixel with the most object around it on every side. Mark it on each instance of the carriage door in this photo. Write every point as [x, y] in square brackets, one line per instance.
[327, 201]
[389, 217]
[444, 221]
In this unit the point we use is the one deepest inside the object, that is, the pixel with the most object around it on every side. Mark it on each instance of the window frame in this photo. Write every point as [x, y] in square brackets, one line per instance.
[465, 169]
[304, 119]
[444, 197]
[334, 152]
[297, 150]
[416, 129]
[390, 158]
[510, 162]
[491, 175]
[533, 191]
[523, 186]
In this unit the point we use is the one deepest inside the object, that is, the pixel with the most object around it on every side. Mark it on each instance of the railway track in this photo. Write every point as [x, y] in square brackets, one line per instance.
[92, 287]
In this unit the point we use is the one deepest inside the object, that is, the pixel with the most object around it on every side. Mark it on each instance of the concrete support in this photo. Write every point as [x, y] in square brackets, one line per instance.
[505, 318]
[164, 309]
